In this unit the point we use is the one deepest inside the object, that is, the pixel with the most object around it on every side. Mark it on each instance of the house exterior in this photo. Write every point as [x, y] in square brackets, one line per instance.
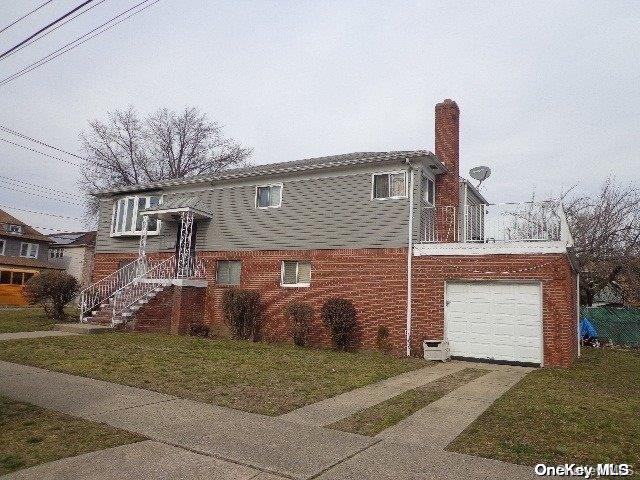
[417, 249]
[24, 252]
[74, 252]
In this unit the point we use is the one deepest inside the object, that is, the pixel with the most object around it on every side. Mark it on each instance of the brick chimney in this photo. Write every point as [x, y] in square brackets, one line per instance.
[448, 152]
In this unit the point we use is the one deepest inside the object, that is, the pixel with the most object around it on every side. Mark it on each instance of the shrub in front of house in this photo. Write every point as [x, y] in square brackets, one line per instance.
[339, 315]
[242, 310]
[300, 315]
[52, 290]
[199, 330]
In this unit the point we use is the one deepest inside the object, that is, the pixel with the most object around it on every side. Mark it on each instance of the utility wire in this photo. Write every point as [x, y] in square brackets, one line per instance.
[53, 29]
[61, 50]
[26, 137]
[39, 213]
[46, 27]
[4, 187]
[25, 16]
[41, 153]
[27, 184]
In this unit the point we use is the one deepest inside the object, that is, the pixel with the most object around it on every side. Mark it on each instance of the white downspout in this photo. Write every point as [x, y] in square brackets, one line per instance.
[409, 257]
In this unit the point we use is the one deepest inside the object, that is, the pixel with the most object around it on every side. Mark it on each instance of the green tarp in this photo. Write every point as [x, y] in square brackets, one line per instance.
[619, 325]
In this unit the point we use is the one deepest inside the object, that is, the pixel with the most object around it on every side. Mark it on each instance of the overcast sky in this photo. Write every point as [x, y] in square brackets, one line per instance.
[549, 93]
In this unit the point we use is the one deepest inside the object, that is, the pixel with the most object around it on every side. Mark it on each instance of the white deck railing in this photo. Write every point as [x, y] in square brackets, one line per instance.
[506, 222]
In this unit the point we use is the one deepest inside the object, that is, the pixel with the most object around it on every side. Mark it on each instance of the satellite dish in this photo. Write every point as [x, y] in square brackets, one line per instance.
[480, 173]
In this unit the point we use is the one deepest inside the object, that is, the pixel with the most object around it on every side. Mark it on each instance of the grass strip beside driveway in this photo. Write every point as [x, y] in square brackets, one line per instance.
[30, 435]
[377, 418]
[586, 414]
[255, 377]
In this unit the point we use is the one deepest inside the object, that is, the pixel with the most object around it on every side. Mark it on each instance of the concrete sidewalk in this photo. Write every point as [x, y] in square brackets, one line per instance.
[37, 334]
[144, 460]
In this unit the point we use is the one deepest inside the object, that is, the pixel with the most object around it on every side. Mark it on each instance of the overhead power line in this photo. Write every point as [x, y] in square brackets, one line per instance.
[35, 194]
[25, 16]
[35, 185]
[26, 137]
[53, 29]
[41, 153]
[39, 213]
[76, 43]
[46, 27]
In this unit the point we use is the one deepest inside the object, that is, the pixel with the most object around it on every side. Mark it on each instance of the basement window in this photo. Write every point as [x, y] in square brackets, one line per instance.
[389, 185]
[295, 274]
[228, 272]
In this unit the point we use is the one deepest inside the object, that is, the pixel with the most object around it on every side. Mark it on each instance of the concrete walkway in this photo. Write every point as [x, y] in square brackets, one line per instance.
[38, 334]
[336, 408]
[440, 422]
[219, 442]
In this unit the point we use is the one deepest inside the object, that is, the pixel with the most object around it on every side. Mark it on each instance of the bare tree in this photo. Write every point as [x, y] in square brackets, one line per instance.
[127, 150]
[606, 231]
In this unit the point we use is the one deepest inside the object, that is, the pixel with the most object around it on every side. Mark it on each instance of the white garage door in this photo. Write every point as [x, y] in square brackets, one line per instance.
[497, 321]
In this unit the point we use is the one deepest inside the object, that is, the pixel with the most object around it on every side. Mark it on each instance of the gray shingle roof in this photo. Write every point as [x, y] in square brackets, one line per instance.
[282, 167]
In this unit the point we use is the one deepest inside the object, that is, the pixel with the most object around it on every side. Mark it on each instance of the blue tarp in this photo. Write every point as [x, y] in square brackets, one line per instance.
[587, 330]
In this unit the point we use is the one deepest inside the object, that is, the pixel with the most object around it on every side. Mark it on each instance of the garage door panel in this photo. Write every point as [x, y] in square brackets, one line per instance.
[500, 321]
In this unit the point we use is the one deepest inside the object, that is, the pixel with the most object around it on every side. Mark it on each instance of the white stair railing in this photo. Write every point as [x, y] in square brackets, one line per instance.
[96, 294]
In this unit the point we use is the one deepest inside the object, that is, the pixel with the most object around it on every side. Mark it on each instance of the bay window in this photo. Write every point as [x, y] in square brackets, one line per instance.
[127, 215]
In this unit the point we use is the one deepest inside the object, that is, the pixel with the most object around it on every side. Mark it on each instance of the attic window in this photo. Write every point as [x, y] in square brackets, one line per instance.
[14, 229]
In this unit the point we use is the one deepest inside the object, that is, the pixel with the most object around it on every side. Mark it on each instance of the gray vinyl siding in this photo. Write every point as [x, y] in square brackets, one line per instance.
[12, 248]
[317, 212]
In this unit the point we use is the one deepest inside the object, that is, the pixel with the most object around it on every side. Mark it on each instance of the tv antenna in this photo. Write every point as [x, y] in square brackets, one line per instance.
[480, 173]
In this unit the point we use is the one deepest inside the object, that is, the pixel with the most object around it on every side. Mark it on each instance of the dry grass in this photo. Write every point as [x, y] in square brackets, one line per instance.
[256, 377]
[30, 435]
[377, 418]
[586, 414]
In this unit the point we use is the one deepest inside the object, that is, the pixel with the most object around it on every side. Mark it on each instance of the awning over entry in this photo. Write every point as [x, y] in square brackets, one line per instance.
[172, 208]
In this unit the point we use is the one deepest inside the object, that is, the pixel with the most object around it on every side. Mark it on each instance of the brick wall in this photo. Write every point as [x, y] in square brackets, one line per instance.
[375, 280]
[447, 139]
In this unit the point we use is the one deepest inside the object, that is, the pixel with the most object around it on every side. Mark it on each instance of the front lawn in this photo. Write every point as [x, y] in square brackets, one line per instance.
[587, 414]
[255, 377]
[27, 319]
[30, 435]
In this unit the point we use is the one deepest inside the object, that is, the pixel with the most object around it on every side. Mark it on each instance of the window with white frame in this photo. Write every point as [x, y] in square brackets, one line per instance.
[228, 272]
[2, 245]
[295, 274]
[55, 253]
[428, 190]
[14, 228]
[29, 250]
[389, 185]
[269, 196]
[127, 216]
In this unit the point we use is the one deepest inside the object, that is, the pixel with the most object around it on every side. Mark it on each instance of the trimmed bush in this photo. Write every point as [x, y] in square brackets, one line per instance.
[382, 338]
[52, 290]
[339, 315]
[242, 310]
[300, 315]
[199, 330]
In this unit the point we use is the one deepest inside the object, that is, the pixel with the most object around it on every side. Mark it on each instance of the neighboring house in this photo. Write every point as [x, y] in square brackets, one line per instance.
[74, 252]
[417, 249]
[23, 253]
